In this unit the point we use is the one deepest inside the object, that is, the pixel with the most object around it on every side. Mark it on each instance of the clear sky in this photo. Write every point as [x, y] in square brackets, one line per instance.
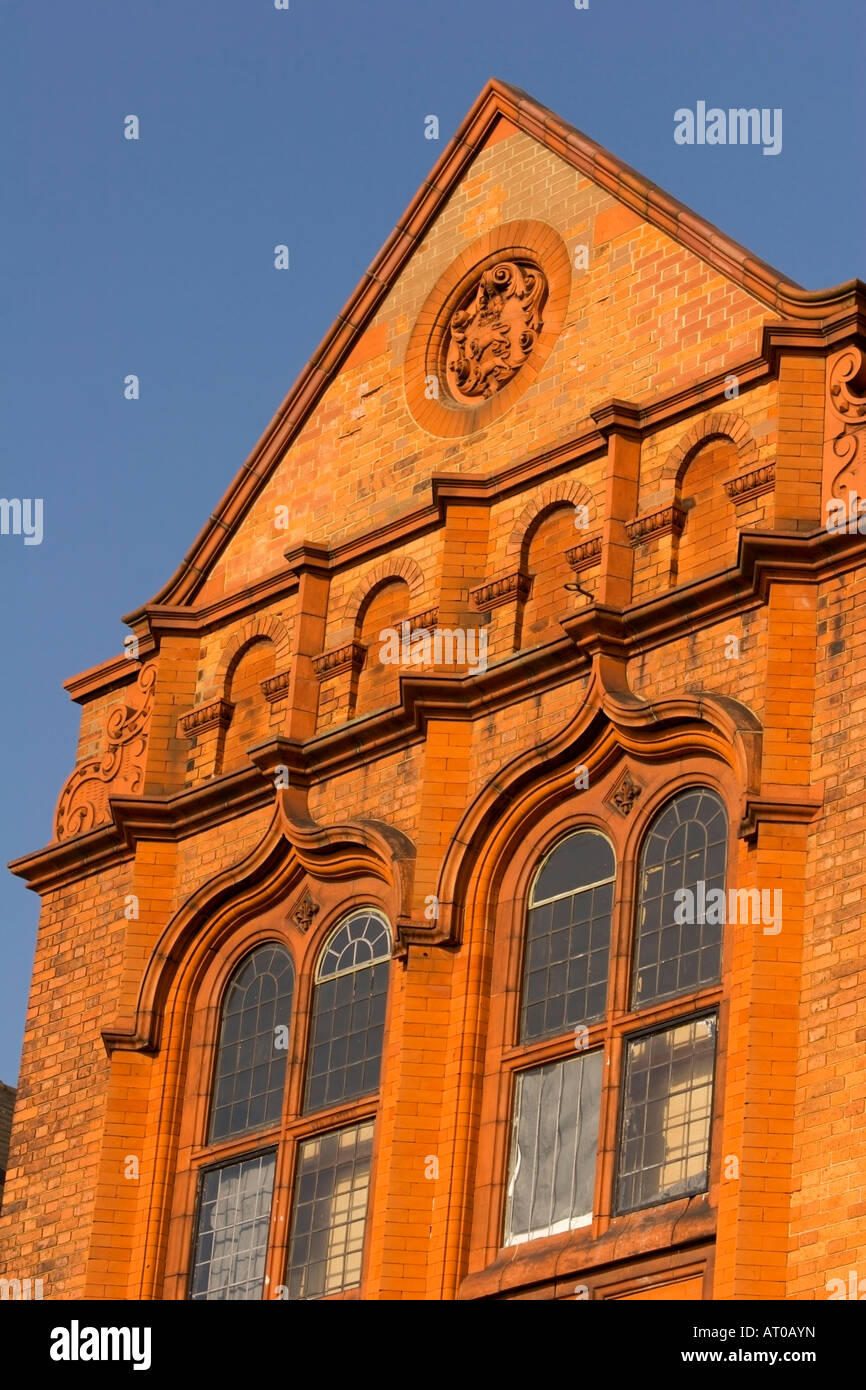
[306, 126]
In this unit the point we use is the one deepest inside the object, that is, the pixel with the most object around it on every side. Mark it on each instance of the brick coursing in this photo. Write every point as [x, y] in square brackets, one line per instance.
[649, 321]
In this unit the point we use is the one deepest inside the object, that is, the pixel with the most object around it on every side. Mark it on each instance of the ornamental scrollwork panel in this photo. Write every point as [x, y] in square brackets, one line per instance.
[845, 447]
[83, 803]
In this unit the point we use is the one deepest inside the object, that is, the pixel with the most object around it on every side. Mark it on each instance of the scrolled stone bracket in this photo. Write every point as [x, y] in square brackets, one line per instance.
[845, 426]
[83, 803]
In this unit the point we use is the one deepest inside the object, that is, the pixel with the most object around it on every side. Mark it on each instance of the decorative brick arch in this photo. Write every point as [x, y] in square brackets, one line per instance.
[405, 568]
[721, 425]
[552, 495]
[272, 629]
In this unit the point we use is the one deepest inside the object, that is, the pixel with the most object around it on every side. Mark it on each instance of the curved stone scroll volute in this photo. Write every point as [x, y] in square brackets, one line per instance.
[349, 850]
[83, 802]
[845, 426]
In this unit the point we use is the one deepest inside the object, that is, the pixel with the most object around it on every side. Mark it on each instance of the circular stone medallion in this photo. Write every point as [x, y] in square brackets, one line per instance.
[494, 330]
[487, 327]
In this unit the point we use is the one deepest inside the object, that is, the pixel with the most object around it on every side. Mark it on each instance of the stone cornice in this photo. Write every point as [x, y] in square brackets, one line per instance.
[616, 416]
[765, 558]
[666, 521]
[154, 620]
[779, 810]
[583, 557]
[748, 486]
[69, 861]
[275, 687]
[423, 698]
[506, 589]
[347, 658]
[109, 675]
[143, 818]
[216, 715]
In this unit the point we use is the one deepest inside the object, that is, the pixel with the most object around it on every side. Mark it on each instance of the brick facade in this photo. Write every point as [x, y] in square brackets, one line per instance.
[635, 527]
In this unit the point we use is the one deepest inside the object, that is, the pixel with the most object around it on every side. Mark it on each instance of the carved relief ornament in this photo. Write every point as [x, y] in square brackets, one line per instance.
[305, 911]
[83, 803]
[845, 449]
[494, 329]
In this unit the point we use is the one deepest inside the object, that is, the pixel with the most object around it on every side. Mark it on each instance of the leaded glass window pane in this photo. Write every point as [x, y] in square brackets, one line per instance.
[253, 1046]
[330, 1212]
[686, 848]
[553, 1148]
[348, 1023]
[234, 1211]
[667, 1108]
[568, 937]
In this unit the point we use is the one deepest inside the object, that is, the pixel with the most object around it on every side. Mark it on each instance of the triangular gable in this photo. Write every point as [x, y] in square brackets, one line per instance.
[499, 111]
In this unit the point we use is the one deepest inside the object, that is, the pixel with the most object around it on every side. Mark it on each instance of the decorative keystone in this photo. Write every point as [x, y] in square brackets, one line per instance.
[304, 911]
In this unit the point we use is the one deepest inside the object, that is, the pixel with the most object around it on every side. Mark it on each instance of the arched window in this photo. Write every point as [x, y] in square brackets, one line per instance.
[584, 1065]
[565, 975]
[292, 1175]
[348, 1012]
[568, 936]
[384, 612]
[667, 1097]
[251, 1062]
[251, 714]
[711, 526]
[543, 559]
[679, 941]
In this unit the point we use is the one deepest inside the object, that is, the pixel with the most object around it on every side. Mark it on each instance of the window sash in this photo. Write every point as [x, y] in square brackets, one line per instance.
[566, 962]
[329, 1212]
[667, 1097]
[346, 1035]
[231, 1230]
[250, 1069]
[685, 845]
[554, 1147]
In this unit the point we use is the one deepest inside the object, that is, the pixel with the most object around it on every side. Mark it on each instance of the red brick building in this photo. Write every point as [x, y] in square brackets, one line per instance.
[457, 893]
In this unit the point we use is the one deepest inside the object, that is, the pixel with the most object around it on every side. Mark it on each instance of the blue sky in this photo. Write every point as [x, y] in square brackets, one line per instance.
[303, 127]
